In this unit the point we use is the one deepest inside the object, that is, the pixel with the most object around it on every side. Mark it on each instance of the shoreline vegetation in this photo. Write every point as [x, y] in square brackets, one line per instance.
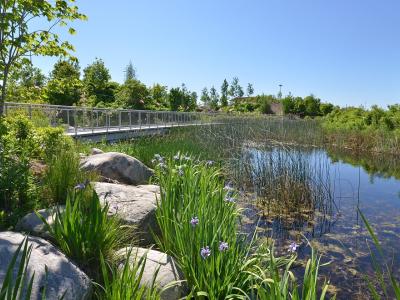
[197, 212]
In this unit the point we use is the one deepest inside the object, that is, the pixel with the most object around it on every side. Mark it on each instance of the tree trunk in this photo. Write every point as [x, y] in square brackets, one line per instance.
[3, 93]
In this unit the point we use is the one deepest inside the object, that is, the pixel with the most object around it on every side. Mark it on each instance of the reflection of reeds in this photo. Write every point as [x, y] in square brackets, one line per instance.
[286, 181]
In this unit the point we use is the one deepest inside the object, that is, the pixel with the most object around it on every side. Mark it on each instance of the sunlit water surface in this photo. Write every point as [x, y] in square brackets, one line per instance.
[340, 235]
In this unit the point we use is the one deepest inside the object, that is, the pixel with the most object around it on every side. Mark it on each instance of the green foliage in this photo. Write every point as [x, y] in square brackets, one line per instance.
[17, 190]
[121, 283]
[130, 72]
[17, 38]
[197, 215]
[235, 90]
[64, 86]
[62, 173]
[96, 83]
[17, 287]
[85, 231]
[224, 93]
[310, 106]
[250, 90]
[181, 99]
[133, 94]
[357, 118]
[20, 144]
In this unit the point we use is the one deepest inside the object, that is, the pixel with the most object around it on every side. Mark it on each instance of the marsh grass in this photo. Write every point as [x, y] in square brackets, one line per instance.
[285, 180]
[198, 220]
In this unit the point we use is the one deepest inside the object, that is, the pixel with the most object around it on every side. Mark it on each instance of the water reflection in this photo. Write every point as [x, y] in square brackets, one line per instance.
[337, 232]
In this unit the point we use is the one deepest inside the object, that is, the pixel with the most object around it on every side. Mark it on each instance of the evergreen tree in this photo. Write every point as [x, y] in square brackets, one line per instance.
[130, 72]
[214, 97]
[250, 90]
[205, 97]
[224, 93]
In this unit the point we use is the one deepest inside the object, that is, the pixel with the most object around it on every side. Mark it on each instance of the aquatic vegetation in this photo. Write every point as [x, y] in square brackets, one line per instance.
[199, 228]
[382, 273]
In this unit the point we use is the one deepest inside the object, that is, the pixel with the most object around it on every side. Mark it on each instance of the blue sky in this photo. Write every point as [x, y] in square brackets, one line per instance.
[344, 51]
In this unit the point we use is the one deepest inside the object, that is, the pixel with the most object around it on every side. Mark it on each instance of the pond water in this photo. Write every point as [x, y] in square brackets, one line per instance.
[334, 226]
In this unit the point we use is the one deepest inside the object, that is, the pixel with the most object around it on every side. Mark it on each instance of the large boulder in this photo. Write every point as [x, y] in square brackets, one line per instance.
[156, 261]
[114, 166]
[63, 277]
[135, 205]
[32, 224]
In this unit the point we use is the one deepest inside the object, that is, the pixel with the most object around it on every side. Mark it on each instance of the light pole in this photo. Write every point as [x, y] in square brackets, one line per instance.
[280, 91]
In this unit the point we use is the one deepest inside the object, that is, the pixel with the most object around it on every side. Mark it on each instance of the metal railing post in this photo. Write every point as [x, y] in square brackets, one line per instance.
[119, 119]
[140, 120]
[130, 120]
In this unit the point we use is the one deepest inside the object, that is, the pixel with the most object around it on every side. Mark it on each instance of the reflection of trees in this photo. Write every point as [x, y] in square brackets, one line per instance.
[377, 165]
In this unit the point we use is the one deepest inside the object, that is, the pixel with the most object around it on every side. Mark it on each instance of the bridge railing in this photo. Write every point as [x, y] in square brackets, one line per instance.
[86, 119]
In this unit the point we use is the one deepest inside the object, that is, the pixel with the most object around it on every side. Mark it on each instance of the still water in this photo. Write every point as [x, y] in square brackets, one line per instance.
[336, 230]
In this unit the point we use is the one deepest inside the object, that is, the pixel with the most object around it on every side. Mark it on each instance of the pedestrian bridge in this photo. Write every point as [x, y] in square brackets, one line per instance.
[97, 124]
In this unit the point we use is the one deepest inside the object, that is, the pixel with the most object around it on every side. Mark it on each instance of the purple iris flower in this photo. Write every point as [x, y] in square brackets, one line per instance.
[80, 186]
[205, 252]
[293, 247]
[194, 221]
[223, 246]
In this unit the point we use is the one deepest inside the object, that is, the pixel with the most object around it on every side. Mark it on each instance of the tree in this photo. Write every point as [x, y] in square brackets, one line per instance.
[224, 93]
[96, 82]
[64, 86]
[205, 97]
[26, 84]
[130, 72]
[159, 94]
[180, 99]
[250, 90]
[18, 38]
[214, 98]
[133, 94]
[235, 89]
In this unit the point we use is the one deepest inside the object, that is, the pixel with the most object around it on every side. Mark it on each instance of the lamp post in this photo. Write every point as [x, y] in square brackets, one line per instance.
[280, 91]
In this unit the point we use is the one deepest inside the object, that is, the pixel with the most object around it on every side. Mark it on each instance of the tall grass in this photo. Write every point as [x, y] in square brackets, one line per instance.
[18, 288]
[85, 231]
[62, 174]
[285, 180]
[123, 283]
[198, 220]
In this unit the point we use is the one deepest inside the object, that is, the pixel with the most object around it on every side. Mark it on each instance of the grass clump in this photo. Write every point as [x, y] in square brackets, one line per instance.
[84, 231]
[123, 282]
[198, 220]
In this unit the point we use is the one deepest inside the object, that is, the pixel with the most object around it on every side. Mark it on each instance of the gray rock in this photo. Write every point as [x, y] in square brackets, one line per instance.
[168, 271]
[32, 224]
[95, 151]
[63, 276]
[114, 166]
[135, 205]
